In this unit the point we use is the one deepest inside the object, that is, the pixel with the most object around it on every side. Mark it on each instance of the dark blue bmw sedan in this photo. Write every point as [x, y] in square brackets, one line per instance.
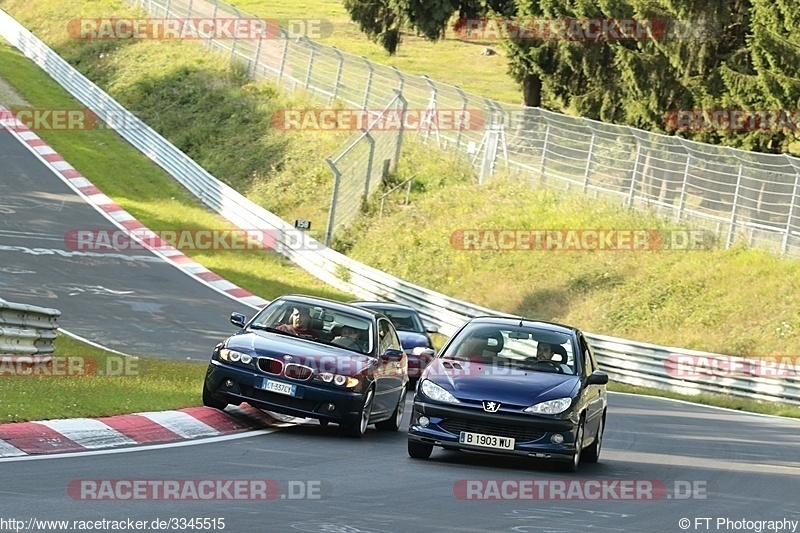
[512, 386]
[313, 358]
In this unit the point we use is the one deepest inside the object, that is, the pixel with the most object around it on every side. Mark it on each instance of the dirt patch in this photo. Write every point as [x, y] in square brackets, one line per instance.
[9, 96]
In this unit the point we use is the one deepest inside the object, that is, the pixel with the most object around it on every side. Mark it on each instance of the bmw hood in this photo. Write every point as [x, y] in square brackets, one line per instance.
[508, 385]
[316, 355]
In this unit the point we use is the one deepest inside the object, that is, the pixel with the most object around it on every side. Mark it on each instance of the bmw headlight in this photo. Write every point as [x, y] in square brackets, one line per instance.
[552, 407]
[237, 357]
[347, 382]
[435, 392]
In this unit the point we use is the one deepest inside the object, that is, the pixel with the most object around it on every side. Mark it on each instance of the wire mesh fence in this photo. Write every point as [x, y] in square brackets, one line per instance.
[736, 193]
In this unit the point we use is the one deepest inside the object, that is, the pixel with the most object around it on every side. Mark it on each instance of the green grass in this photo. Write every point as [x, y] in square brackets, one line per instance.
[450, 61]
[129, 385]
[739, 301]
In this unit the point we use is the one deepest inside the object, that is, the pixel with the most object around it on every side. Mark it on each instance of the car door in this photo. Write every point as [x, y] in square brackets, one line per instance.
[594, 394]
[389, 376]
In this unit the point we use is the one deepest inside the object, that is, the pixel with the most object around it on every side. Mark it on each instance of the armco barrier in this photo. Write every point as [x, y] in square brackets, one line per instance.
[627, 361]
[27, 329]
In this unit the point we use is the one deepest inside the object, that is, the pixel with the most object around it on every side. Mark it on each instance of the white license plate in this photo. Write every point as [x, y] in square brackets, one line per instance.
[486, 441]
[280, 388]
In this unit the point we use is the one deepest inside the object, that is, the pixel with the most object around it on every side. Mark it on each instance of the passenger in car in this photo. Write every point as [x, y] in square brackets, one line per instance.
[300, 324]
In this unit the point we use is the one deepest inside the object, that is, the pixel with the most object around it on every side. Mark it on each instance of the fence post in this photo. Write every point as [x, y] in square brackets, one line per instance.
[213, 17]
[544, 150]
[588, 164]
[682, 199]
[404, 105]
[401, 78]
[338, 75]
[369, 82]
[732, 228]
[788, 233]
[337, 176]
[258, 54]
[235, 33]
[463, 115]
[431, 115]
[371, 141]
[189, 13]
[285, 36]
[635, 170]
[310, 62]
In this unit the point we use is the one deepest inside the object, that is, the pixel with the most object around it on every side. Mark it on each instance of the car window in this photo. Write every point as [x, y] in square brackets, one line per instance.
[589, 362]
[519, 346]
[388, 337]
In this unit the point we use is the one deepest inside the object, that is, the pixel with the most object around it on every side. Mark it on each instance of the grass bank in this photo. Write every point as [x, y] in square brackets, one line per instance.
[89, 381]
[738, 301]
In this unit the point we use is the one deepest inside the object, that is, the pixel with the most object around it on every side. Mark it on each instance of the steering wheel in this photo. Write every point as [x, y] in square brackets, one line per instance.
[552, 364]
[347, 342]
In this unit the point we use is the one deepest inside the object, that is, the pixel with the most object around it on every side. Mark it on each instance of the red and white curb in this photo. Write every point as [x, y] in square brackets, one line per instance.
[118, 216]
[82, 434]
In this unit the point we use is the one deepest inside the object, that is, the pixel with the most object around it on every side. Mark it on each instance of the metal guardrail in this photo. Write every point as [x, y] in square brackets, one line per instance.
[627, 361]
[27, 329]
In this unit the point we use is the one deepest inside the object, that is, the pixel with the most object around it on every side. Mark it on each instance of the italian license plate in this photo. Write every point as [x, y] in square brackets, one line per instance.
[486, 441]
[278, 387]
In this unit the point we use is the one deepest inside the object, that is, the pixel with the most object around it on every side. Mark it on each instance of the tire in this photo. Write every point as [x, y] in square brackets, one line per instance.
[419, 450]
[210, 401]
[572, 466]
[358, 429]
[393, 424]
[592, 453]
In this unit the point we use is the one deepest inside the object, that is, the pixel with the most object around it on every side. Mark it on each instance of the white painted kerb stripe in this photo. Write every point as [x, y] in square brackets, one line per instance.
[7, 450]
[184, 425]
[88, 432]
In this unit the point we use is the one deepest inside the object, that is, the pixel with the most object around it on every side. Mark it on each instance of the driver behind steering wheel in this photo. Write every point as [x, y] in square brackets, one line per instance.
[349, 339]
[544, 352]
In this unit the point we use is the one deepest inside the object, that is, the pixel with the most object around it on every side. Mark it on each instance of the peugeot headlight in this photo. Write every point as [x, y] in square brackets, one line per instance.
[435, 392]
[552, 407]
[232, 355]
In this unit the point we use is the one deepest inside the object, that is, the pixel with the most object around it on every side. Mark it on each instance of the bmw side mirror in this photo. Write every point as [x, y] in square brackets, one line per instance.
[238, 319]
[598, 377]
[393, 355]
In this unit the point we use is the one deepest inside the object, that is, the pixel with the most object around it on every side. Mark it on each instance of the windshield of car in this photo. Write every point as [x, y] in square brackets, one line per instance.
[403, 320]
[317, 323]
[521, 347]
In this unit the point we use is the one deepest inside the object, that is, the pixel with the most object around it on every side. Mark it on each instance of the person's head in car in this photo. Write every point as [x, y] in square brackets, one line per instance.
[301, 318]
[350, 332]
[544, 352]
[299, 323]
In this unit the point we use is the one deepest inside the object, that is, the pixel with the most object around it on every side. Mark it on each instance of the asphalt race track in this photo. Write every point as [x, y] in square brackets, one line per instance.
[129, 300]
[683, 461]
[742, 467]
